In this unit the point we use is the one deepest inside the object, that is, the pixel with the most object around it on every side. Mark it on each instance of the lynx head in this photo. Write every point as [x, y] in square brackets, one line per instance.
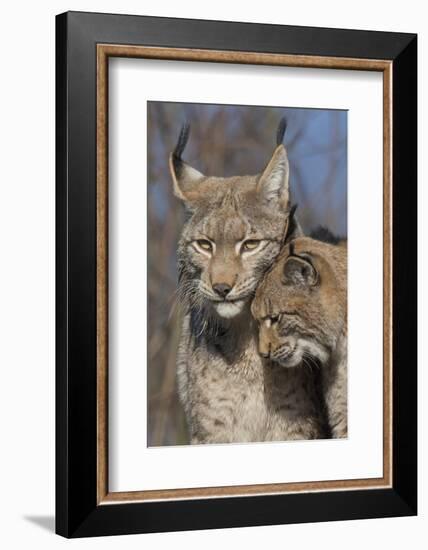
[235, 230]
[301, 304]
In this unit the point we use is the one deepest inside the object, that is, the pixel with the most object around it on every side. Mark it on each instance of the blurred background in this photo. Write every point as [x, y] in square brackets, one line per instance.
[226, 140]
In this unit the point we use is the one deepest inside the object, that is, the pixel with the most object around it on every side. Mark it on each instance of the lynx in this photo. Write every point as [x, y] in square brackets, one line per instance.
[236, 228]
[301, 307]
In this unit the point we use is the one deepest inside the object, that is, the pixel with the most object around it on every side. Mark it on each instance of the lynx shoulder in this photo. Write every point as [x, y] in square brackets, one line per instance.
[301, 307]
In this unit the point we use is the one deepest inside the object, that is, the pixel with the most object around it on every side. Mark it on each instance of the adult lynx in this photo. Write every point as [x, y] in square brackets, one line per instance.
[236, 228]
[301, 306]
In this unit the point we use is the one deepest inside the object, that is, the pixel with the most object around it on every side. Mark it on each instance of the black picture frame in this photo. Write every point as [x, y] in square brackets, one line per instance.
[77, 511]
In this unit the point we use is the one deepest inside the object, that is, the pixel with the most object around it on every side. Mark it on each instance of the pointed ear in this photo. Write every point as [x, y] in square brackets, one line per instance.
[273, 184]
[299, 271]
[184, 177]
[292, 229]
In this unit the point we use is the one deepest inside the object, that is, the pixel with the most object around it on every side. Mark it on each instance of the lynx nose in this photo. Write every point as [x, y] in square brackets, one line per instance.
[222, 289]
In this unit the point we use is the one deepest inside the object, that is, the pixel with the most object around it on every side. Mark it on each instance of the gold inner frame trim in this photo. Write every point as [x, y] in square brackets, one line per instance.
[104, 51]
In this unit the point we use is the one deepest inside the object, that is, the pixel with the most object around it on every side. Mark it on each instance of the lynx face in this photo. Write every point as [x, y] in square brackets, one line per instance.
[235, 231]
[301, 303]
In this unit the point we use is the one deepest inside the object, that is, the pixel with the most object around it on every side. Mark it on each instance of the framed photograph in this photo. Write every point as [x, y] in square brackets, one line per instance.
[236, 274]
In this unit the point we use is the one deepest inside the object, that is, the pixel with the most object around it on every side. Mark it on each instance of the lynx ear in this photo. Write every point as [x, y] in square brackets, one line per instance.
[299, 271]
[292, 228]
[184, 177]
[273, 184]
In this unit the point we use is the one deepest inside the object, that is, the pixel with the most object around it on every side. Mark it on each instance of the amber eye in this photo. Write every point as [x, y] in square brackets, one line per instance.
[250, 245]
[204, 244]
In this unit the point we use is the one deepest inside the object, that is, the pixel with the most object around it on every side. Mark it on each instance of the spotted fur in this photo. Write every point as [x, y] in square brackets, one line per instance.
[226, 392]
[301, 307]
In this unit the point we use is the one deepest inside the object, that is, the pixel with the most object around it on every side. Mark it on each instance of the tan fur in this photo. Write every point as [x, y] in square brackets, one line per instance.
[226, 392]
[301, 306]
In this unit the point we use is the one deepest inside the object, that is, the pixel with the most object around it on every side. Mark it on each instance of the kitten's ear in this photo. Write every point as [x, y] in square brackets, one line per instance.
[299, 271]
[273, 184]
[184, 177]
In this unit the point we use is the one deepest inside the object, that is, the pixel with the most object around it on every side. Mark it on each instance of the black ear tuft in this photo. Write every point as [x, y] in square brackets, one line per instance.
[293, 210]
[182, 141]
[282, 126]
[291, 227]
[292, 223]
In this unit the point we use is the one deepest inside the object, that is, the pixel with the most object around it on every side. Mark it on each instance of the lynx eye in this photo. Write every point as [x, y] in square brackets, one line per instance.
[204, 244]
[290, 312]
[251, 244]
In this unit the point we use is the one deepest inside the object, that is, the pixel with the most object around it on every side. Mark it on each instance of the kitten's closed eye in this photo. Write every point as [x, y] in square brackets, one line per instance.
[275, 319]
